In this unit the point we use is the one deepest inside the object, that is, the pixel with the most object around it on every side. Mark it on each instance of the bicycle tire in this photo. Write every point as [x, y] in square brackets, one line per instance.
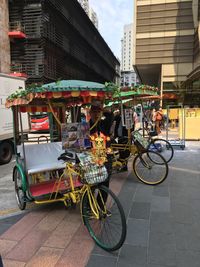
[148, 163]
[163, 147]
[19, 193]
[105, 220]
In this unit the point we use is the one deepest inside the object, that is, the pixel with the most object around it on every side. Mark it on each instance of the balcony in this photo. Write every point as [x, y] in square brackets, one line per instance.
[16, 31]
[18, 70]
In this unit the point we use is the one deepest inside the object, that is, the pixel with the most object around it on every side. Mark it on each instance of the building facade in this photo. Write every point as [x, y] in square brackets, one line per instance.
[129, 78]
[60, 42]
[85, 5]
[167, 43]
[94, 18]
[127, 48]
[128, 75]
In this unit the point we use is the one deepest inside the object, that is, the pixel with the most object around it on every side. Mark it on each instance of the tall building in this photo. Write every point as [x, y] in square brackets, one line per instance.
[59, 42]
[128, 75]
[85, 6]
[93, 17]
[167, 44]
[127, 48]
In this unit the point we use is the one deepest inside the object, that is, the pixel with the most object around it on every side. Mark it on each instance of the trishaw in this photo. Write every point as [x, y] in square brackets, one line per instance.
[149, 164]
[65, 167]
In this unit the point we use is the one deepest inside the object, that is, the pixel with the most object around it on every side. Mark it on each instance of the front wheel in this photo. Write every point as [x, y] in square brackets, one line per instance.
[150, 167]
[163, 147]
[109, 230]
[6, 152]
[19, 193]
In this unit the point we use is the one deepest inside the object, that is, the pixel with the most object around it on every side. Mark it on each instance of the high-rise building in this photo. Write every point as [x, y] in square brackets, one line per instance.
[89, 11]
[127, 48]
[93, 17]
[128, 75]
[167, 44]
[85, 6]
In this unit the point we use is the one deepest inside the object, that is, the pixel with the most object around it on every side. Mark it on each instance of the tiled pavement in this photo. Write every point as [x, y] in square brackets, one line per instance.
[163, 226]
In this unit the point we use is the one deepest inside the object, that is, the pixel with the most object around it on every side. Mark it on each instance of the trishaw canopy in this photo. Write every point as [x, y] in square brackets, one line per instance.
[70, 92]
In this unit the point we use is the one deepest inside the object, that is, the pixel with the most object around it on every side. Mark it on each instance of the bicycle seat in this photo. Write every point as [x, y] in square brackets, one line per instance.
[67, 156]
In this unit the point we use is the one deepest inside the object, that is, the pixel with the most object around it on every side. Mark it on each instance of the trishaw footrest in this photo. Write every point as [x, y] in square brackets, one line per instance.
[49, 187]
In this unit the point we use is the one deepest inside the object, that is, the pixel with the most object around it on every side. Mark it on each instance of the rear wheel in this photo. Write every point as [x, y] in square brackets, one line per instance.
[163, 147]
[19, 193]
[109, 230]
[150, 168]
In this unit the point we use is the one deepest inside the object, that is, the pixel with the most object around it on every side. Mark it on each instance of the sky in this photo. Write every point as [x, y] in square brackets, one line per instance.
[112, 16]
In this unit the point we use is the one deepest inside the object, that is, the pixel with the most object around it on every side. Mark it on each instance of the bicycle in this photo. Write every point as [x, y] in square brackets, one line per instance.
[149, 166]
[157, 144]
[101, 211]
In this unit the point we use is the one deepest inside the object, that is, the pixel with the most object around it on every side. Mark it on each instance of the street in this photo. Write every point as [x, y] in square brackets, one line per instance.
[7, 194]
[8, 204]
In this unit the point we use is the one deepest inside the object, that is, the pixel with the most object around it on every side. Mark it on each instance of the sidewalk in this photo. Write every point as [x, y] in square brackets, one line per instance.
[163, 225]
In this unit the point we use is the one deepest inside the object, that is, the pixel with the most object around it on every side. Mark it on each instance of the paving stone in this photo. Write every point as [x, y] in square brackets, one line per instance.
[64, 232]
[45, 257]
[125, 199]
[117, 183]
[193, 192]
[160, 204]
[27, 247]
[161, 222]
[162, 191]
[140, 210]
[181, 213]
[76, 254]
[11, 263]
[132, 256]
[192, 235]
[55, 217]
[101, 252]
[162, 240]
[159, 265]
[162, 249]
[24, 226]
[120, 264]
[188, 258]
[137, 232]
[12, 219]
[82, 233]
[6, 246]
[179, 199]
[99, 261]
[162, 257]
[4, 227]
[144, 193]
[180, 236]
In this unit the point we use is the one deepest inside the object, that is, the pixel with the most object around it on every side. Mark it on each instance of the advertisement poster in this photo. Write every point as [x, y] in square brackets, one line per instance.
[128, 118]
[75, 135]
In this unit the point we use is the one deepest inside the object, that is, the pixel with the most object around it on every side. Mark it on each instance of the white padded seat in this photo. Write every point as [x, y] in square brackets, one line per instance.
[42, 157]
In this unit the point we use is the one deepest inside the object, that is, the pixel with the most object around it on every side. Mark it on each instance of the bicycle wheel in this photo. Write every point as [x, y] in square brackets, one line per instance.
[109, 231]
[19, 193]
[163, 147]
[150, 167]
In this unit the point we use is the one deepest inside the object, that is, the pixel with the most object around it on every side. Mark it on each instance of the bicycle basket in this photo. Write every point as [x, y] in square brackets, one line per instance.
[140, 139]
[93, 173]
